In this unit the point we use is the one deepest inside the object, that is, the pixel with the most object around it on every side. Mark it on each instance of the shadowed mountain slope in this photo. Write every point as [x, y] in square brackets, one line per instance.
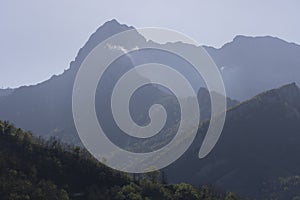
[259, 144]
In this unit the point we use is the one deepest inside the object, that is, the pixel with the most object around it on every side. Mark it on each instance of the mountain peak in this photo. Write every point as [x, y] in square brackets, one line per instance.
[105, 31]
[245, 37]
[285, 90]
[113, 21]
[292, 85]
[114, 25]
[290, 92]
[287, 94]
[249, 41]
[108, 29]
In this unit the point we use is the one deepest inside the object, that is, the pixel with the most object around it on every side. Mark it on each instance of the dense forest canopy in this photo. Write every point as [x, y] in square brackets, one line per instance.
[34, 168]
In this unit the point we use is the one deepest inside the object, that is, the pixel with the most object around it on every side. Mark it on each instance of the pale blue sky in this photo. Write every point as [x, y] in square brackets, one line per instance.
[40, 38]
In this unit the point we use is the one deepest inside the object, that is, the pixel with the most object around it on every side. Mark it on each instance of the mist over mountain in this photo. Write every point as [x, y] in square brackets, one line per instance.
[258, 145]
[5, 92]
[250, 65]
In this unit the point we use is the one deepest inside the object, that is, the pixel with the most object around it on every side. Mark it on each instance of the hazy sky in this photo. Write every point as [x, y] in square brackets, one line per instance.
[40, 38]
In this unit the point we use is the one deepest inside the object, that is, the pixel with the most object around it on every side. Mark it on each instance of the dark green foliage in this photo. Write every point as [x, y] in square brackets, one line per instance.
[185, 192]
[35, 169]
[283, 188]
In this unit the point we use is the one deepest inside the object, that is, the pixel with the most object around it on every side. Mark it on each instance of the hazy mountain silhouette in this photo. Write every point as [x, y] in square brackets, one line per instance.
[46, 108]
[251, 65]
[259, 144]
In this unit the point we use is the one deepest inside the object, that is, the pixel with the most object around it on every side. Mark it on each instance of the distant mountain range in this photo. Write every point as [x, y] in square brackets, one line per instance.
[45, 108]
[248, 65]
[261, 136]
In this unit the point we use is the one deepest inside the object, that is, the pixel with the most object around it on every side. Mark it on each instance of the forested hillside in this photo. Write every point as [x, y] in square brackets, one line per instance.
[32, 168]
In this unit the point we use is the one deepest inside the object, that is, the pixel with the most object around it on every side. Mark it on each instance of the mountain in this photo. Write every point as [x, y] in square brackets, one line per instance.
[46, 108]
[33, 168]
[251, 65]
[245, 63]
[205, 103]
[260, 138]
[258, 145]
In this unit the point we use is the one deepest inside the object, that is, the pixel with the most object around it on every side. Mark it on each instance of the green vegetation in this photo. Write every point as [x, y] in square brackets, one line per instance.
[283, 188]
[32, 168]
